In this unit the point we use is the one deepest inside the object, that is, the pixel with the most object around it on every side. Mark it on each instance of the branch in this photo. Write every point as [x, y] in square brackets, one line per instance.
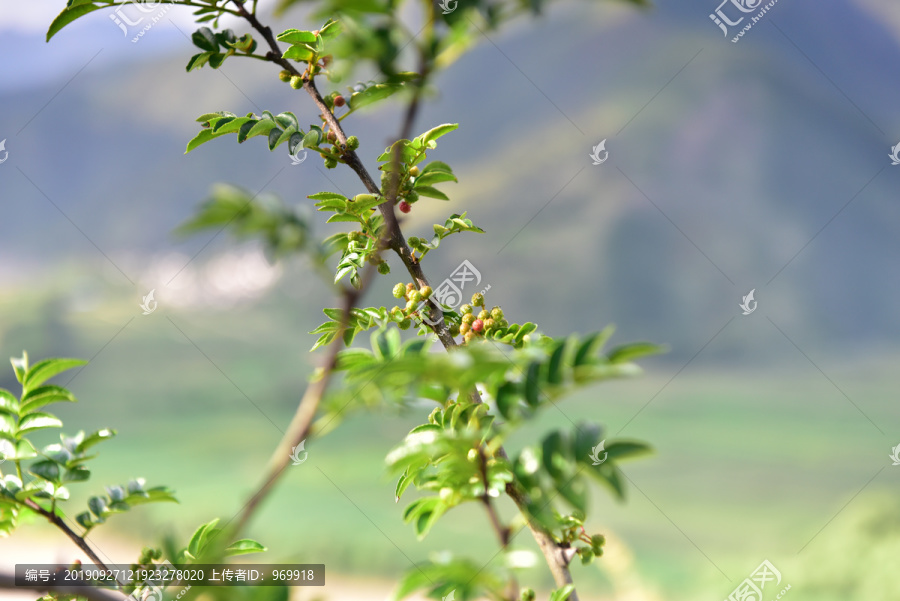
[61, 524]
[553, 554]
[8, 581]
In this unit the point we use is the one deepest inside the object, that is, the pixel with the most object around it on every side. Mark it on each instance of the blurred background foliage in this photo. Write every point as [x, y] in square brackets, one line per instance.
[750, 151]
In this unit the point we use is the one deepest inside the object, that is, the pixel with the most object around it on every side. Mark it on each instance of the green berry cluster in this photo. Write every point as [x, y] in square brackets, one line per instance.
[482, 323]
[573, 532]
[413, 297]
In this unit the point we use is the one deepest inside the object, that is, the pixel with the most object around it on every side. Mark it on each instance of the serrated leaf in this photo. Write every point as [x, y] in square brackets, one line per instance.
[434, 177]
[287, 120]
[261, 128]
[245, 130]
[274, 135]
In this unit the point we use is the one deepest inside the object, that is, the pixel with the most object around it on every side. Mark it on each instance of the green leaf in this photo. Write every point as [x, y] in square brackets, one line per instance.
[274, 135]
[244, 546]
[24, 450]
[20, 366]
[330, 30]
[434, 177]
[48, 470]
[8, 427]
[436, 166]
[204, 39]
[630, 352]
[262, 128]
[245, 130]
[200, 537]
[373, 94]
[92, 439]
[436, 132]
[98, 506]
[287, 120]
[42, 371]
[624, 449]
[70, 14]
[563, 593]
[8, 402]
[431, 192]
[298, 53]
[216, 60]
[198, 60]
[296, 36]
[203, 137]
[42, 396]
[38, 421]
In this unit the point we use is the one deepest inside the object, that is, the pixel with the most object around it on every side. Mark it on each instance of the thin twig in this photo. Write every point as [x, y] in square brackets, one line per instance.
[61, 524]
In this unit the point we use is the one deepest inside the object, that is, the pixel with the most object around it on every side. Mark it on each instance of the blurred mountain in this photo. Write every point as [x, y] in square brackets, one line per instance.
[758, 165]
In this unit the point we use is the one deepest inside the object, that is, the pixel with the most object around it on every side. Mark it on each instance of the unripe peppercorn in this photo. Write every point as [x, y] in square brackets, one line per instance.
[410, 287]
[285, 75]
[464, 328]
[503, 324]
[478, 299]
[478, 326]
[454, 330]
[465, 309]
[339, 100]
[404, 206]
[426, 292]
[397, 313]
[411, 304]
[399, 291]
[489, 324]
[331, 136]
[384, 268]
[412, 196]
[404, 325]
[528, 595]
[468, 318]
[352, 142]
[414, 171]
[330, 163]
[415, 297]
[482, 315]
[497, 313]
[296, 82]
[469, 336]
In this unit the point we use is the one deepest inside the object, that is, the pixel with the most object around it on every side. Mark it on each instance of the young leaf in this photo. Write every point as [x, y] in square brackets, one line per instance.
[42, 371]
[68, 15]
[244, 546]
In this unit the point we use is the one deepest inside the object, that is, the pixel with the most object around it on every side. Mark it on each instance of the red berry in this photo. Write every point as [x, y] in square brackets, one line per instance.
[405, 207]
[339, 101]
[477, 326]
